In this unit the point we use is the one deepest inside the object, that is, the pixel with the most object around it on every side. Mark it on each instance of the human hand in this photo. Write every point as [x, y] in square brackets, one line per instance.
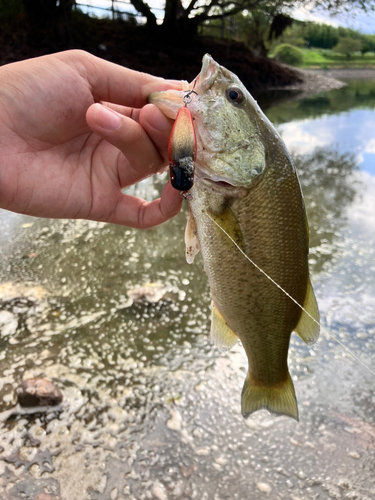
[55, 163]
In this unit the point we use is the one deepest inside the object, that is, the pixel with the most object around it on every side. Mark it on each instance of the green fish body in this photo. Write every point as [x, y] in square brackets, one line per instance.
[247, 200]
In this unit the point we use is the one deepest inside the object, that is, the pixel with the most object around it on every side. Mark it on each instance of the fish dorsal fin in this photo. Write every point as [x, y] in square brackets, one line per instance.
[221, 334]
[191, 239]
[307, 328]
[227, 222]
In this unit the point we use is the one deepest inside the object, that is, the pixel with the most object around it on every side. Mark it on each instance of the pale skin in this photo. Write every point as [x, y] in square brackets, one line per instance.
[74, 131]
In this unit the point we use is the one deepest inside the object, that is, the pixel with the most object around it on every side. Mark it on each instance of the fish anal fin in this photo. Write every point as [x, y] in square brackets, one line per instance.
[221, 334]
[308, 329]
[228, 222]
[279, 399]
[191, 239]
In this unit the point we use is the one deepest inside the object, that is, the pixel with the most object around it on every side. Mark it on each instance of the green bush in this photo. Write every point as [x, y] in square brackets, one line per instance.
[288, 54]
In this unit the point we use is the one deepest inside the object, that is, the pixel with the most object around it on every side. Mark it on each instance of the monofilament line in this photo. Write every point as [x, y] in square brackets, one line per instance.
[291, 298]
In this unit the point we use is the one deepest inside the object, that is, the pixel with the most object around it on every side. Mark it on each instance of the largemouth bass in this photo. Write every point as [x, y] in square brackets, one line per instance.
[247, 198]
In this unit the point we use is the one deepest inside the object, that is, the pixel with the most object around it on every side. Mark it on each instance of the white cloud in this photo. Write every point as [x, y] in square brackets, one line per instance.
[370, 146]
[299, 139]
[362, 211]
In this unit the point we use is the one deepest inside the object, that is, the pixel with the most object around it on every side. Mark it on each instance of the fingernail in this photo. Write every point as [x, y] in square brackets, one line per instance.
[106, 118]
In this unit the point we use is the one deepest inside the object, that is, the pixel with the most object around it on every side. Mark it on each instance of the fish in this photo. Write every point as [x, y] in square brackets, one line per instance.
[246, 204]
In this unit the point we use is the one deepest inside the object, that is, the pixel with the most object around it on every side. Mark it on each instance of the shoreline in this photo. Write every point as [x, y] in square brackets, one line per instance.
[322, 80]
[346, 73]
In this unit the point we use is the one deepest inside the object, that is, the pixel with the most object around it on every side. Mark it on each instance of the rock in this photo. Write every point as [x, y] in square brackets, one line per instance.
[38, 392]
[150, 293]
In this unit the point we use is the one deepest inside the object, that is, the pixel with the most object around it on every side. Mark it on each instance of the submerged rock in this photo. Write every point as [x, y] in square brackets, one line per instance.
[150, 293]
[38, 392]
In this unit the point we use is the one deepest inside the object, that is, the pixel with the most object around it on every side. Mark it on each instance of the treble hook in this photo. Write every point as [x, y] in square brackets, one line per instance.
[187, 97]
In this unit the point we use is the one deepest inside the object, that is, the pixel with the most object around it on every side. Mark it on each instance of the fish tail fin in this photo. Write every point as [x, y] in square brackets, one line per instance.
[279, 398]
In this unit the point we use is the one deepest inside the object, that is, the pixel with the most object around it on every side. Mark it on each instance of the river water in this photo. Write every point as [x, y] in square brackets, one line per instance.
[151, 408]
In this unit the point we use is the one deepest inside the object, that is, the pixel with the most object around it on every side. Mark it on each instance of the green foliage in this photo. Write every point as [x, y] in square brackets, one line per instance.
[369, 41]
[348, 45]
[288, 54]
[323, 36]
[365, 48]
[324, 58]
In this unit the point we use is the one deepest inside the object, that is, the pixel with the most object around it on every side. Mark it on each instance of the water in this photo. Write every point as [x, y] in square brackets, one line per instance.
[151, 408]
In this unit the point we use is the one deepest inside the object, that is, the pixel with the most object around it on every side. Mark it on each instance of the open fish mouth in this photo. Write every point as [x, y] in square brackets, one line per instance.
[210, 179]
[220, 183]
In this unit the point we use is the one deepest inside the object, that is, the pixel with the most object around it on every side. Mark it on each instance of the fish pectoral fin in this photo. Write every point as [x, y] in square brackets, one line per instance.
[221, 334]
[191, 239]
[279, 399]
[308, 327]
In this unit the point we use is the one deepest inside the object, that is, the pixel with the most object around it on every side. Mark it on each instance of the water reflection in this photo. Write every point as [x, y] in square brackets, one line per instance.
[152, 409]
[342, 119]
[330, 185]
[358, 94]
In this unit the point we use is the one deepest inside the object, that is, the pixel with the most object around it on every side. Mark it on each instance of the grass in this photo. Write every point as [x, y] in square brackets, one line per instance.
[324, 58]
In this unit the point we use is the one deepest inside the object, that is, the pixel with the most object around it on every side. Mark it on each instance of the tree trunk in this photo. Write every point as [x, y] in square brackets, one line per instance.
[177, 27]
[144, 9]
[49, 21]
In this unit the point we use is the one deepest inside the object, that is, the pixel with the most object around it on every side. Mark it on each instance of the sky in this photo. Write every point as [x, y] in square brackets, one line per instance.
[356, 19]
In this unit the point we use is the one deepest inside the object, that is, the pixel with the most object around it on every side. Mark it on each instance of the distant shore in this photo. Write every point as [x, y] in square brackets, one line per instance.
[346, 73]
[319, 80]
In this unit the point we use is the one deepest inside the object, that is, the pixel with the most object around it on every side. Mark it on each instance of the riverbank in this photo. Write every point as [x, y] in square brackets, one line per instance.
[346, 73]
[314, 81]
[131, 46]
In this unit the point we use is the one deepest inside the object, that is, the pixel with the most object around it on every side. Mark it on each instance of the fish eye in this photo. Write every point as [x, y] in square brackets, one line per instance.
[234, 94]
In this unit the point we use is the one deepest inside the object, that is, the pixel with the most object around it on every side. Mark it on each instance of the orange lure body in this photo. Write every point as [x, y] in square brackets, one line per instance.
[182, 149]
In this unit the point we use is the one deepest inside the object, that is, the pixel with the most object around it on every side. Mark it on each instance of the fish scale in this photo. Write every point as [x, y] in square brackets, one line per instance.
[233, 284]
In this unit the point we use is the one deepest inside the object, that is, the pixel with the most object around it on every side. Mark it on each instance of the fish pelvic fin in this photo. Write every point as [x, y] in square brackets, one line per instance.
[191, 239]
[279, 399]
[308, 327]
[221, 334]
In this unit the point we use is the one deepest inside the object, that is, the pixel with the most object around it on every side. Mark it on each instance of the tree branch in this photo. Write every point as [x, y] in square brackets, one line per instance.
[144, 9]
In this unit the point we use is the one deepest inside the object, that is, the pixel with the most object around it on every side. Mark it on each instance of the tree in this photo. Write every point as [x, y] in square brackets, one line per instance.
[347, 46]
[50, 18]
[288, 54]
[262, 26]
[180, 20]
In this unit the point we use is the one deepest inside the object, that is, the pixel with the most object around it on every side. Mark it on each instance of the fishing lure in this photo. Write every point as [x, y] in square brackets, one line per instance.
[182, 149]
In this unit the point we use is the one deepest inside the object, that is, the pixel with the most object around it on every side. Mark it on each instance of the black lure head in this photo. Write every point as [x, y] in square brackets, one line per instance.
[182, 174]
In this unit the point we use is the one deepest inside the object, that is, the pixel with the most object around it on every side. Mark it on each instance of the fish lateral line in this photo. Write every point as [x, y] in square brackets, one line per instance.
[327, 332]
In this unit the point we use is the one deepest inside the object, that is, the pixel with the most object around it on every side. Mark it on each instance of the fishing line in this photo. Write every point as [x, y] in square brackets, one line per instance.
[291, 298]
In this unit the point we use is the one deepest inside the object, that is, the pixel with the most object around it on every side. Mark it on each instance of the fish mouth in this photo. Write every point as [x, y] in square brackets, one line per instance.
[222, 184]
[170, 101]
[208, 73]
[210, 179]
